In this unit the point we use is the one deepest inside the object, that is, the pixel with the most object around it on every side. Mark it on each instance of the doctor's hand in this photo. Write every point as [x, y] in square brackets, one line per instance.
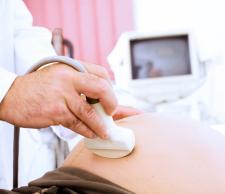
[51, 96]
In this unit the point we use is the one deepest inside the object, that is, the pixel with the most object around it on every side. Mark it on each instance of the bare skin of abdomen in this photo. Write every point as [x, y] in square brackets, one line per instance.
[172, 156]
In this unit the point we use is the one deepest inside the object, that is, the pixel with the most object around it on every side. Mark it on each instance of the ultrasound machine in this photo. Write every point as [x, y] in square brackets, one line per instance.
[157, 66]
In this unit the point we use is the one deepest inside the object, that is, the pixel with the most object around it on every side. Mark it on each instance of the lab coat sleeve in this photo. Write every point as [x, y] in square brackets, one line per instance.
[31, 43]
[7, 79]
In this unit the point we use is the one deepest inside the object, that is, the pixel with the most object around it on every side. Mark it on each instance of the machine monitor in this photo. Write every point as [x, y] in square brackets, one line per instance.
[160, 57]
[158, 66]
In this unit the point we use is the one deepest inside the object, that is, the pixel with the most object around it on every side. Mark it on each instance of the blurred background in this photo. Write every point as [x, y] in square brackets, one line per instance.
[93, 27]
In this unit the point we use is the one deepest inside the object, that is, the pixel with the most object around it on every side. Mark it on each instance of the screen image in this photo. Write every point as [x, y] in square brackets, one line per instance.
[160, 57]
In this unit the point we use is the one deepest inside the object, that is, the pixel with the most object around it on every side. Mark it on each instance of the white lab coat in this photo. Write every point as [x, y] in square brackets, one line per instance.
[20, 46]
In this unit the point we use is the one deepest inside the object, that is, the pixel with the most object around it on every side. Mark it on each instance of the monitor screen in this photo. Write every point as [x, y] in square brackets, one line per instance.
[160, 57]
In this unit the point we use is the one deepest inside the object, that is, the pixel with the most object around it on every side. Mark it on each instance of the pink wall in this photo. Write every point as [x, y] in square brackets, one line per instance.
[93, 26]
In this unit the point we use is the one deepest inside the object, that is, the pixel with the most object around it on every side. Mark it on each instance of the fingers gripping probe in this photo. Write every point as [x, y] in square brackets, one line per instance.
[121, 141]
